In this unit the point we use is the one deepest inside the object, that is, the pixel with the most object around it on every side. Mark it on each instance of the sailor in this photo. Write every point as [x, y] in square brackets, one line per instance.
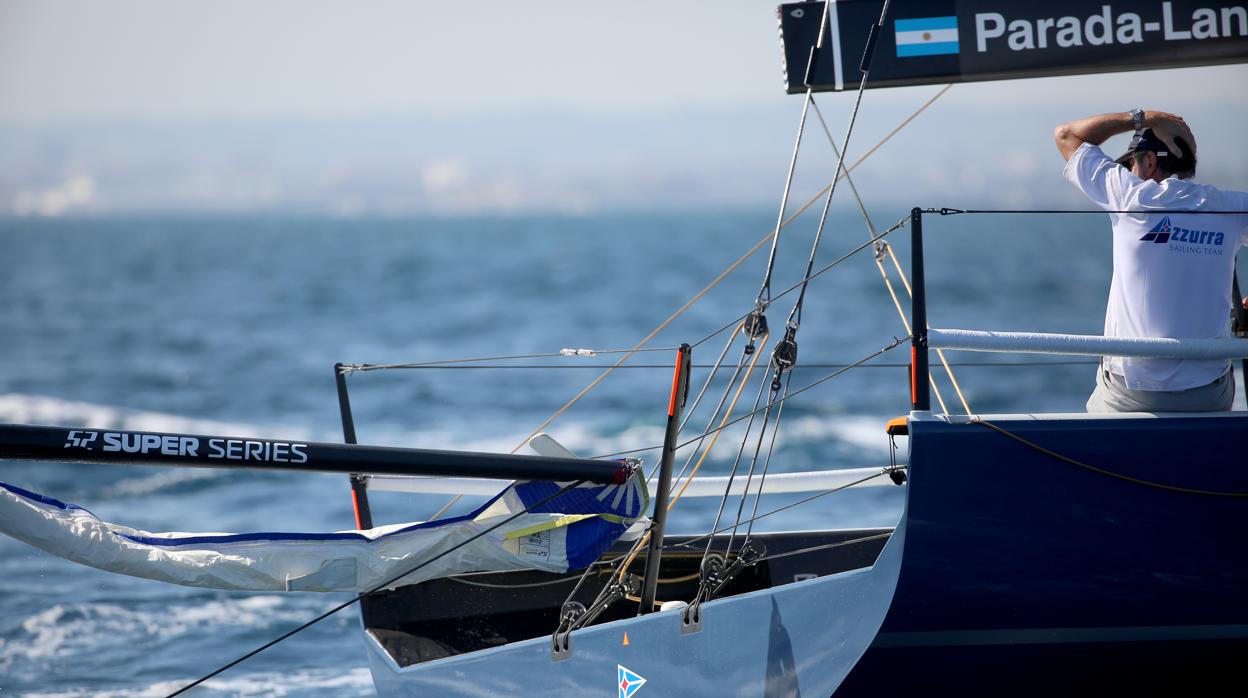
[1172, 270]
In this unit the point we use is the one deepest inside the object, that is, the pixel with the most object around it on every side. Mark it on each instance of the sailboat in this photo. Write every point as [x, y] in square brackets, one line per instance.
[1036, 554]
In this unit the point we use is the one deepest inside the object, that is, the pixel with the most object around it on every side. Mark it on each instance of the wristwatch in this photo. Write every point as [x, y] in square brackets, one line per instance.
[1137, 118]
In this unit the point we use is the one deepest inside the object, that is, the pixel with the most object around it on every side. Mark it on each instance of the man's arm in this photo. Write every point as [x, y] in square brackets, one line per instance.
[1097, 129]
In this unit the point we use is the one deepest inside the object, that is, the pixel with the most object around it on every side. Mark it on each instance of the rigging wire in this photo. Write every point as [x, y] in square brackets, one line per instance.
[826, 546]
[762, 482]
[882, 248]
[732, 380]
[745, 438]
[741, 260]
[892, 345]
[705, 452]
[731, 268]
[351, 368]
[764, 291]
[795, 314]
[827, 267]
[388, 583]
[689, 543]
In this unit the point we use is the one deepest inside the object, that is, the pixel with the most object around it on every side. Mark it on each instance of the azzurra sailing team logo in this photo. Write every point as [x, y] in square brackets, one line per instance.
[1160, 232]
[1197, 240]
[926, 36]
[627, 681]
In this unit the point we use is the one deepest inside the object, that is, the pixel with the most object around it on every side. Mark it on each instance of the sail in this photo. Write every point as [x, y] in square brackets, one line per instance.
[551, 533]
[941, 41]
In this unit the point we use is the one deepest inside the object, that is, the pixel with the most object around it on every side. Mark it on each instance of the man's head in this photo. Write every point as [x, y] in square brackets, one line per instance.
[1157, 156]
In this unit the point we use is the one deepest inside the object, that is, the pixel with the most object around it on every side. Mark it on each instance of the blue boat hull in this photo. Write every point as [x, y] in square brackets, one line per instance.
[1026, 575]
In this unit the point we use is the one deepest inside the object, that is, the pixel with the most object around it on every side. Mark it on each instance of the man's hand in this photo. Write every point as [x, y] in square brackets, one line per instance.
[1167, 126]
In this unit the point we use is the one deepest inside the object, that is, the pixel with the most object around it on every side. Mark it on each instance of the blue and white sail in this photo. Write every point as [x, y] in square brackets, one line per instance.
[565, 533]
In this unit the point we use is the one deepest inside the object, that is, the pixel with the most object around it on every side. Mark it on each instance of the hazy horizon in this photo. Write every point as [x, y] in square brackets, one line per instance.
[392, 108]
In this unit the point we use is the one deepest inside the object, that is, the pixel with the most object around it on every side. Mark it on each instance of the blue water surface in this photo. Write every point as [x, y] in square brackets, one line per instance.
[232, 325]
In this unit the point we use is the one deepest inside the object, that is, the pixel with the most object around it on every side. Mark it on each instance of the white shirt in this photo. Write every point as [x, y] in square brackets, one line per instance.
[1172, 271]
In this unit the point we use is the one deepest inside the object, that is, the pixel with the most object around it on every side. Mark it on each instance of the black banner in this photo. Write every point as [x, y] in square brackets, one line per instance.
[21, 442]
[939, 41]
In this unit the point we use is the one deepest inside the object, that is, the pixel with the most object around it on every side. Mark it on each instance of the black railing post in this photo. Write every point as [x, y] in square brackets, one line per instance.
[1240, 323]
[680, 384]
[920, 391]
[359, 486]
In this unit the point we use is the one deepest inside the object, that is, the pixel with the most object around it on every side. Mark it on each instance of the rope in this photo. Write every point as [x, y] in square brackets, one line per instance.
[795, 314]
[745, 439]
[663, 325]
[893, 345]
[732, 380]
[815, 548]
[842, 172]
[705, 452]
[689, 543]
[762, 482]
[900, 224]
[749, 253]
[1103, 471]
[379, 587]
[826, 378]
[883, 246]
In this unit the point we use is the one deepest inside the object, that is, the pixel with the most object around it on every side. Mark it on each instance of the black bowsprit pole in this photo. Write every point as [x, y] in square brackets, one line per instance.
[40, 443]
[675, 404]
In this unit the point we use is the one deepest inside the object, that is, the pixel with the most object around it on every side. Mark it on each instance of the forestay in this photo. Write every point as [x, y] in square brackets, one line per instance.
[551, 532]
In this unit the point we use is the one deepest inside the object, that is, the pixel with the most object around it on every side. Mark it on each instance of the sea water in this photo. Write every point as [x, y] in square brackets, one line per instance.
[231, 325]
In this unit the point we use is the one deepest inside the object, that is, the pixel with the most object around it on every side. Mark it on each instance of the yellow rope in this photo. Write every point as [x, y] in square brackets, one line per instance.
[940, 353]
[888, 283]
[884, 273]
[1103, 471]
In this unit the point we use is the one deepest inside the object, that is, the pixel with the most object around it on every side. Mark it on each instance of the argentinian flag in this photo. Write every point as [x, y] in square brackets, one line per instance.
[926, 36]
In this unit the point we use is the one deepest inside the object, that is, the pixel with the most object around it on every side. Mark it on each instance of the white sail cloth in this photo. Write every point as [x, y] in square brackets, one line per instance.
[557, 534]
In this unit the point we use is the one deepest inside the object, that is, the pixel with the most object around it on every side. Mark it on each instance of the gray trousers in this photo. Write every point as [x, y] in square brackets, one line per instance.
[1112, 395]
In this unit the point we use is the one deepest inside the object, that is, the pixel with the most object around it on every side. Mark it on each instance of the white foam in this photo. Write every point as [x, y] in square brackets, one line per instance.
[151, 484]
[66, 630]
[866, 433]
[339, 681]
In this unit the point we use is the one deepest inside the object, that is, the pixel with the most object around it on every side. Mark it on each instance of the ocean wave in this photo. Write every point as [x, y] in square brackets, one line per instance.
[69, 629]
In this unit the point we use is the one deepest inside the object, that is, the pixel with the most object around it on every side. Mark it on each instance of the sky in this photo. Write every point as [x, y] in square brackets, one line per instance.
[409, 107]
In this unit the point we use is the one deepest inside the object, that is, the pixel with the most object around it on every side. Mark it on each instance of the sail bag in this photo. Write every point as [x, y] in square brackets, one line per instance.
[554, 532]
